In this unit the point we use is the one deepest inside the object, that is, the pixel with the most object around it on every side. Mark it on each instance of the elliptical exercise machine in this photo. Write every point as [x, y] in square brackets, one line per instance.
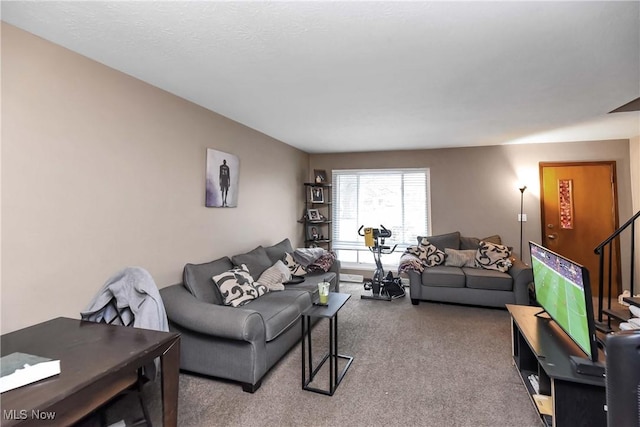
[381, 287]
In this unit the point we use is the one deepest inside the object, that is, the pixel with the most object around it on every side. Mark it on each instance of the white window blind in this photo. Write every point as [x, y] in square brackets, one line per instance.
[396, 198]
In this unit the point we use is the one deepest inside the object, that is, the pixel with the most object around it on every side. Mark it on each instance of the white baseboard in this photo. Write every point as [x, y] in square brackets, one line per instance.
[355, 278]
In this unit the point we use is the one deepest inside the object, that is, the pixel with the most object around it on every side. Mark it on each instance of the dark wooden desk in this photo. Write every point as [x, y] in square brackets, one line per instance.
[97, 361]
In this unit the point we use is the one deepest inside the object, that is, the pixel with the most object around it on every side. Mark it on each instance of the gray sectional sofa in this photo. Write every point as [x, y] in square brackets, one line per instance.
[239, 343]
[469, 284]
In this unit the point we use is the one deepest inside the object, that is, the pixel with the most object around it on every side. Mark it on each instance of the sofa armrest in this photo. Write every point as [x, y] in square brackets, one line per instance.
[221, 321]
[335, 268]
[415, 283]
[522, 275]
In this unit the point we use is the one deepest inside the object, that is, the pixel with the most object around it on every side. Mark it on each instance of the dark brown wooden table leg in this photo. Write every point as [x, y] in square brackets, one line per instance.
[170, 381]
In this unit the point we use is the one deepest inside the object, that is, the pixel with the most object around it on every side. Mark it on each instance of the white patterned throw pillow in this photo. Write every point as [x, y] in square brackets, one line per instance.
[295, 268]
[433, 256]
[237, 286]
[491, 256]
[428, 254]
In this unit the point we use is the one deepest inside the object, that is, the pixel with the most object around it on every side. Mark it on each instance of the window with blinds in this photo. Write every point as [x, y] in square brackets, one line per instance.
[396, 198]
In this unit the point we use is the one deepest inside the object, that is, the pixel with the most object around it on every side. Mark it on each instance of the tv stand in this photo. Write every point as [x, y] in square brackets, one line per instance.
[587, 367]
[543, 353]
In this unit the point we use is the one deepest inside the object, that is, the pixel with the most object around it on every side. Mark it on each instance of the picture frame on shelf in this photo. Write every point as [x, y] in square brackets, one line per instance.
[316, 194]
[319, 176]
[313, 215]
[313, 232]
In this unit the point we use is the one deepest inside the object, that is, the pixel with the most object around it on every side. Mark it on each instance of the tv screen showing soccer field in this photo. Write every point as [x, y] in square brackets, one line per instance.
[563, 290]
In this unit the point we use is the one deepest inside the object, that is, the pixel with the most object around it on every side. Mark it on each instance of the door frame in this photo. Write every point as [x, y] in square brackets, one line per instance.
[616, 276]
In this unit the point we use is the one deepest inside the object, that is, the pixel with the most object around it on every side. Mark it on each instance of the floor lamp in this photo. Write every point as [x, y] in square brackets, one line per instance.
[524, 187]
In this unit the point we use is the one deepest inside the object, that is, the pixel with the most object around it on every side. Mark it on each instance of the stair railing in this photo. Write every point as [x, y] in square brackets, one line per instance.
[601, 250]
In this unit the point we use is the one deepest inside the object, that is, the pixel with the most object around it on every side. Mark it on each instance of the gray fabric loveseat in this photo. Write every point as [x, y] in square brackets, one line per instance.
[464, 270]
[239, 343]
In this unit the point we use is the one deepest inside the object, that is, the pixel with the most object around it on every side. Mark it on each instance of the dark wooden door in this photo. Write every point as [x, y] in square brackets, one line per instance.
[579, 210]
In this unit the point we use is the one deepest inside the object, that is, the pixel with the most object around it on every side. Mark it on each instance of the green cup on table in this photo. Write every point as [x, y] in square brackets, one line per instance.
[323, 292]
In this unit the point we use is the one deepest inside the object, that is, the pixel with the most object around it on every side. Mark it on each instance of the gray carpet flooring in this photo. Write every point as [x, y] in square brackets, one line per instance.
[426, 365]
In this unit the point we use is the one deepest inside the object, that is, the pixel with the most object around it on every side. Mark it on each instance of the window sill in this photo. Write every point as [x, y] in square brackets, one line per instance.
[365, 267]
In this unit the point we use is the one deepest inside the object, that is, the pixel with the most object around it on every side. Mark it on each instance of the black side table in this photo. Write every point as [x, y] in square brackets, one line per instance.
[330, 311]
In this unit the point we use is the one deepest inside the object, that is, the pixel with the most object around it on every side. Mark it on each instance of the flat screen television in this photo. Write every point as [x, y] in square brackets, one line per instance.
[563, 290]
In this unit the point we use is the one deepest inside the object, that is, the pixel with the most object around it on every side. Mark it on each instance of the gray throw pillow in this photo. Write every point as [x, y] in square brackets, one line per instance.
[469, 243]
[278, 251]
[256, 261]
[461, 258]
[473, 242]
[493, 239]
[274, 276]
[197, 279]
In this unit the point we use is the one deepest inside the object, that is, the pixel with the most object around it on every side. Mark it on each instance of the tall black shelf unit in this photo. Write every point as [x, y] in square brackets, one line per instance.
[323, 225]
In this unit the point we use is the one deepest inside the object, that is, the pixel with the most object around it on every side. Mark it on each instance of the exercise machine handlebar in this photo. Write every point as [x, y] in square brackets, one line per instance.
[371, 236]
[382, 232]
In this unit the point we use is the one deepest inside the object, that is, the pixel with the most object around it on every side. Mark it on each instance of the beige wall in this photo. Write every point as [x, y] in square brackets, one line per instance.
[102, 171]
[475, 190]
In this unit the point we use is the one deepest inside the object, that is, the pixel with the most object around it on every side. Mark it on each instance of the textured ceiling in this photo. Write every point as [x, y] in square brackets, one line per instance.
[361, 76]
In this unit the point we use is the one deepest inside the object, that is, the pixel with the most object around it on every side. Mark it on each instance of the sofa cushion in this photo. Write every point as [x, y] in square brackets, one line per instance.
[277, 251]
[461, 258]
[479, 278]
[274, 276]
[451, 277]
[256, 261]
[311, 281]
[280, 310]
[491, 256]
[442, 241]
[197, 278]
[237, 286]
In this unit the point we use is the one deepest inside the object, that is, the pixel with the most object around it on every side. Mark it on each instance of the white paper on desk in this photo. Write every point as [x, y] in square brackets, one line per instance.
[19, 369]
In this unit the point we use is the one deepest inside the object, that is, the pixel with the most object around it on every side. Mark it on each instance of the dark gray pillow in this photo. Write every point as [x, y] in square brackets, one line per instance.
[473, 242]
[467, 243]
[198, 279]
[493, 239]
[257, 261]
[278, 251]
[442, 241]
